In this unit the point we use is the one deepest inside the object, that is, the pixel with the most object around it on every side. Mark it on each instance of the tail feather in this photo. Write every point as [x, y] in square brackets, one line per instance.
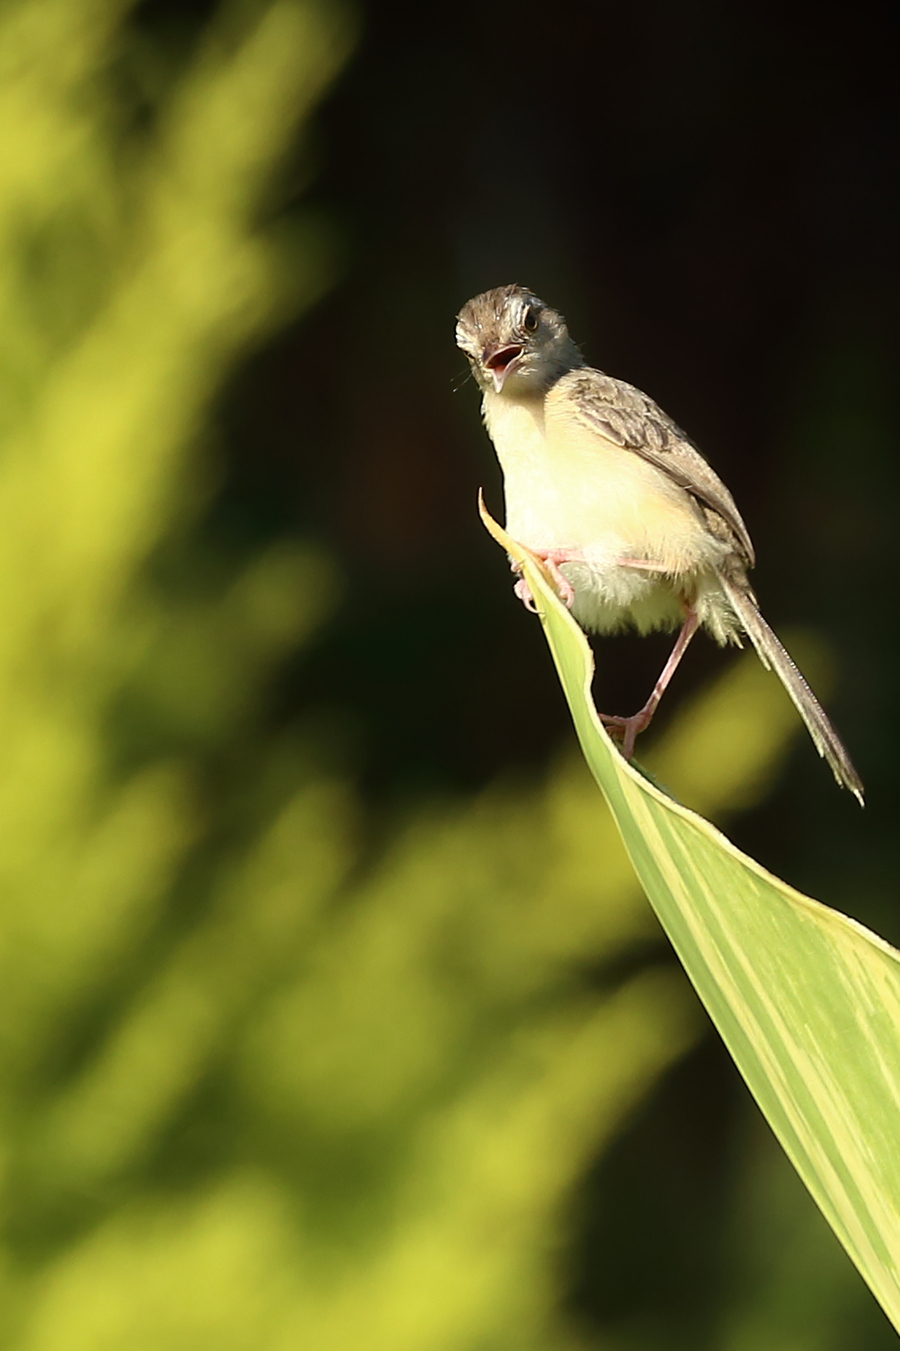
[775, 657]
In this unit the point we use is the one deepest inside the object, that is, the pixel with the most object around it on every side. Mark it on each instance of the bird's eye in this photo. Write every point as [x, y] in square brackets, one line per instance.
[530, 321]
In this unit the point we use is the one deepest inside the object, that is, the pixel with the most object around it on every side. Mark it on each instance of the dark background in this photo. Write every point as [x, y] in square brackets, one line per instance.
[709, 196]
[709, 193]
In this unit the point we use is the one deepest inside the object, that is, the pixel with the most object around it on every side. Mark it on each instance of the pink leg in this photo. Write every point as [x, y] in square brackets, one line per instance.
[646, 564]
[638, 721]
[551, 559]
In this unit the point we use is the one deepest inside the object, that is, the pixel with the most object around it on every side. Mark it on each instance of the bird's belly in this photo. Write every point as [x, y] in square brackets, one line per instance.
[569, 491]
[606, 524]
[610, 598]
[603, 501]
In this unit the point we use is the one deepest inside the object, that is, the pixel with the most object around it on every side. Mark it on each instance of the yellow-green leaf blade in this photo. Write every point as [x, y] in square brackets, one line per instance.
[807, 1001]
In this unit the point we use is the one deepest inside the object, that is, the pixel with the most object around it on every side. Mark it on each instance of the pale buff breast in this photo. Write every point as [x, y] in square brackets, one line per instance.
[568, 487]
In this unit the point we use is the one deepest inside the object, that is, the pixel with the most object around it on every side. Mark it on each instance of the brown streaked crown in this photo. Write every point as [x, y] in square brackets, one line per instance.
[512, 337]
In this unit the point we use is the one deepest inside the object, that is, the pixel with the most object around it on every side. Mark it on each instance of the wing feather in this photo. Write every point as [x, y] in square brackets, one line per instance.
[629, 418]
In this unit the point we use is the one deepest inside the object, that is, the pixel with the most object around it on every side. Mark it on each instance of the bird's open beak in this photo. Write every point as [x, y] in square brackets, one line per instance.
[501, 363]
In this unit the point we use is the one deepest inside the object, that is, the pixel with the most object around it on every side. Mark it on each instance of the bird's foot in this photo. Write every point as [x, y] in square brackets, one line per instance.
[551, 559]
[629, 727]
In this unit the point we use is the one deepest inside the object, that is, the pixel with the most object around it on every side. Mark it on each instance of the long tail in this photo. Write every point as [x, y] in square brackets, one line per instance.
[775, 657]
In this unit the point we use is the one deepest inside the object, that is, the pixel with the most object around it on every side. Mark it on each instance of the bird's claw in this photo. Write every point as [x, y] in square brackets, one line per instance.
[523, 591]
[551, 559]
[564, 587]
[629, 727]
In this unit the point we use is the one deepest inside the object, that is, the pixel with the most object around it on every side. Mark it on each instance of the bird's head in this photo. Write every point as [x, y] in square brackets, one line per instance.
[516, 344]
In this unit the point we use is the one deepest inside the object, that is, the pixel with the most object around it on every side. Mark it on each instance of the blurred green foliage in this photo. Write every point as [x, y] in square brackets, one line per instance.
[260, 1086]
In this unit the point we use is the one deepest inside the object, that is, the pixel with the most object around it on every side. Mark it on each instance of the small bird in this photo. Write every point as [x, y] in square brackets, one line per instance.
[630, 521]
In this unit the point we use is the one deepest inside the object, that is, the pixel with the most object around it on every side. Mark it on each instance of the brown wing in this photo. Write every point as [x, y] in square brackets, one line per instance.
[632, 420]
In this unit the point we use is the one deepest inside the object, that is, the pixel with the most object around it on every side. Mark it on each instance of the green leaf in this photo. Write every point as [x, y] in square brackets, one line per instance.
[806, 1000]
